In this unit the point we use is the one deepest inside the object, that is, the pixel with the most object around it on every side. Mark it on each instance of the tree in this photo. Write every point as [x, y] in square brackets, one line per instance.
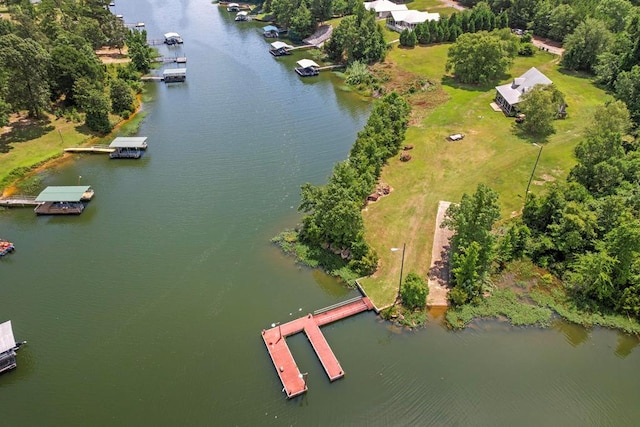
[26, 65]
[408, 38]
[541, 106]
[479, 57]
[562, 22]
[302, 23]
[322, 9]
[582, 47]
[627, 89]
[467, 270]
[121, 97]
[414, 292]
[613, 13]
[357, 38]
[522, 13]
[472, 221]
[94, 103]
[72, 58]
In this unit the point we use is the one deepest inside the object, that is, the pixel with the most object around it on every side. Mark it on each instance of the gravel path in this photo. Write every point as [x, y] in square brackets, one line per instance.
[439, 269]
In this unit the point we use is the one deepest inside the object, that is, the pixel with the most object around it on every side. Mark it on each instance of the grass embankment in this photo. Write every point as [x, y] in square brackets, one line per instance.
[29, 144]
[491, 153]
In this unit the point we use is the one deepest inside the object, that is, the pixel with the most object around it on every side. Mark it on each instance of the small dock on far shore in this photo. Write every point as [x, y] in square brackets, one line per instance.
[171, 59]
[292, 379]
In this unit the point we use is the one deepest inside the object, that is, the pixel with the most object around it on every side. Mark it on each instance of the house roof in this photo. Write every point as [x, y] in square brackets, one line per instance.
[233, 5]
[7, 341]
[379, 6]
[65, 193]
[171, 36]
[129, 142]
[414, 16]
[243, 13]
[306, 63]
[280, 45]
[270, 28]
[512, 92]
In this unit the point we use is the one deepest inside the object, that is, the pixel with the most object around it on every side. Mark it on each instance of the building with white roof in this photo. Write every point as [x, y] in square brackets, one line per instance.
[400, 20]
[508, 96]
[383, 8]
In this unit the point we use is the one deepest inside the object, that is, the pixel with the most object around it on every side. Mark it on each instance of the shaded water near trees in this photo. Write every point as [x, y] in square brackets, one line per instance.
[147, 309]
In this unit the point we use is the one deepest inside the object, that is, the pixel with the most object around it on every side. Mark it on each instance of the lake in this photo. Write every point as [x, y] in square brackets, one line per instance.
[147, 309]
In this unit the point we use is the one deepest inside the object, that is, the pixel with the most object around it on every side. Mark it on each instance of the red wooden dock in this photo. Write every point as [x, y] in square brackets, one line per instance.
[292, 379]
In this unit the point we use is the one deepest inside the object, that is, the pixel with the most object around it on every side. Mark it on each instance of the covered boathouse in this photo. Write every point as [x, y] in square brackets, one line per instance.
[307, 68]
[8, 347]
[280, 49]
[63, 200]
[171, 75]
[128, 147]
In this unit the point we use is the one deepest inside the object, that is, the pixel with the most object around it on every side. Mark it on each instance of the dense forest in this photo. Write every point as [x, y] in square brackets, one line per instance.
[48, 62]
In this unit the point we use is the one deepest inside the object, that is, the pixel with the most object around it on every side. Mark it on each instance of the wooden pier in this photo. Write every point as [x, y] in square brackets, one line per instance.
[171, 59]
[101, 149]
[292, 379]
[19, 201]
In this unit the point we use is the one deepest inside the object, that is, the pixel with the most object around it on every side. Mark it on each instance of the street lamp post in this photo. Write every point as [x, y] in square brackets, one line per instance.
[526, 194]
[404, 246]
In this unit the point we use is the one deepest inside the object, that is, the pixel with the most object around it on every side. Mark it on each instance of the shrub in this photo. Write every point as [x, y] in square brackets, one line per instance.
[414, 292]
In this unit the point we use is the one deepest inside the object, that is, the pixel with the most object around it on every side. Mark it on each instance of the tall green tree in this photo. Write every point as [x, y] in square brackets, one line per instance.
[472, 221]
[582, 47]
[627, 89]
[480, 57]
[541, 106]
[26, 64]
[302, 22]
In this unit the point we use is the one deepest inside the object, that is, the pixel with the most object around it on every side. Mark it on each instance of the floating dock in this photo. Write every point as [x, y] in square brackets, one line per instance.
[292, 379]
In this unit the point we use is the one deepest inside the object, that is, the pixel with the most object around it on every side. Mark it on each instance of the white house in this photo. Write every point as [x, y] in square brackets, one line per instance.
[399, 20]
[383, 8]
[508, 96]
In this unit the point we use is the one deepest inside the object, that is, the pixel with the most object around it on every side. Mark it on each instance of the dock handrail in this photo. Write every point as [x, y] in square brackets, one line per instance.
[340, 304]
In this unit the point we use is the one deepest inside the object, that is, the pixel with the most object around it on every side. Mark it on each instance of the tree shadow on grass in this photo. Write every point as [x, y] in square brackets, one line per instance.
[24, 130]
[448, 80]
[528, 137]
[577, 74]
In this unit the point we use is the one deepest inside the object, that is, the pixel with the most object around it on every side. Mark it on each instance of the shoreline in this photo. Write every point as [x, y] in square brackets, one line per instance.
[62, 159]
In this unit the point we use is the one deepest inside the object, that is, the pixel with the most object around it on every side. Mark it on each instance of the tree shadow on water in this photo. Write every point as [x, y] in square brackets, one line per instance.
[24, 130]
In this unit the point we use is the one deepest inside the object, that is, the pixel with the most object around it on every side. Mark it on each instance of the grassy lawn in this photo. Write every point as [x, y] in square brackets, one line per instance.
[491, 153]
[31, 143]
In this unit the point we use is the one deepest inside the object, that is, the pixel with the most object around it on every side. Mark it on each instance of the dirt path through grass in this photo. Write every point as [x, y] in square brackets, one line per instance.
[439, 269]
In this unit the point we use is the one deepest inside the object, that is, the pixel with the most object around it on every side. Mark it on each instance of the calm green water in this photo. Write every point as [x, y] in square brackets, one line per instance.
[147, 309]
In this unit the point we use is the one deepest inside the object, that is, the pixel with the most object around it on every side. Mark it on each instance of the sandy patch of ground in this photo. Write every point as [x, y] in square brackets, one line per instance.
[113, 56]
[439, 269]
[548, 45]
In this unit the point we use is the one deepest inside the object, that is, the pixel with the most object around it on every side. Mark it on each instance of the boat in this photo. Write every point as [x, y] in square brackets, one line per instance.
[172, 38]
[139, 24]
[307, 68]
[8, 347]
[6, 247]
[280, 49]
[233, 7]
[242, 16]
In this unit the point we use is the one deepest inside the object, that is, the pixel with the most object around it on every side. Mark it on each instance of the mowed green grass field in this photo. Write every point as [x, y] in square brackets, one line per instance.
[491, 153]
